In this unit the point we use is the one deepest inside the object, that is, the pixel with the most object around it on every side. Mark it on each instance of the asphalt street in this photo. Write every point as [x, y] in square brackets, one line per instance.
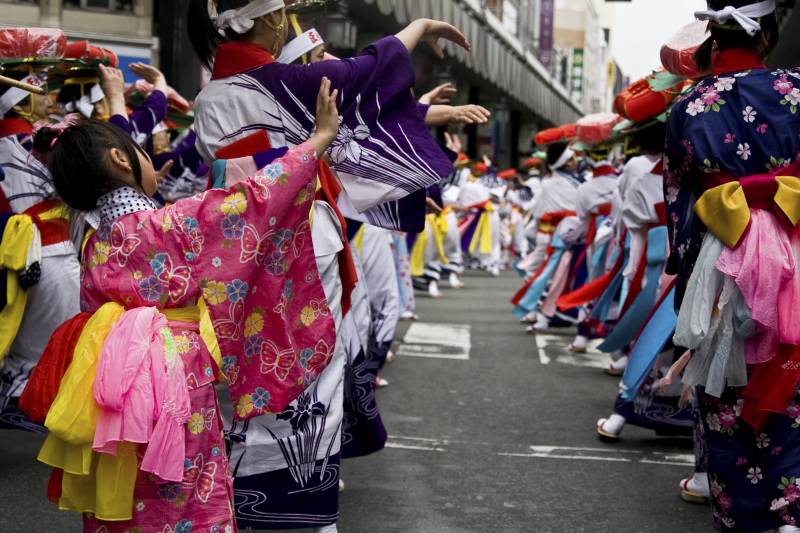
[493, 431]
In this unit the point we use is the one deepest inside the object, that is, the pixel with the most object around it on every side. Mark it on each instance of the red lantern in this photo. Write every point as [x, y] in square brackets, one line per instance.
[639, 103]
[597, 127]
[677, 54]
[32, 43]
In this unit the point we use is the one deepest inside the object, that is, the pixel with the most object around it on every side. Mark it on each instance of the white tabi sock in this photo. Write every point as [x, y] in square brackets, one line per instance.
[580, 341]
[326, 529]
[613, 424]
[620, 363]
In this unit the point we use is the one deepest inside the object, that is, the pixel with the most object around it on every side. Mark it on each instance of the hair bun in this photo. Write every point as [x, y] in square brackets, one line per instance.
[44, 141]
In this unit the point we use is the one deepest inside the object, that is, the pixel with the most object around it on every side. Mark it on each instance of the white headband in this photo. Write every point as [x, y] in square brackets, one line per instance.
[241, 20]
[15, 95]
[561, 161]
[742, 15]
[303, 44]
[86, 104]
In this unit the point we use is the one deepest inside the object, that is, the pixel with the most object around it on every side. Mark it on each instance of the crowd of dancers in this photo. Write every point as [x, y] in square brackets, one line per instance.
[199, 296]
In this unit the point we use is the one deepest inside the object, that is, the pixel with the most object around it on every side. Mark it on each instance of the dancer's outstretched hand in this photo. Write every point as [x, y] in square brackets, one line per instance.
[327, 118]
[442, 30]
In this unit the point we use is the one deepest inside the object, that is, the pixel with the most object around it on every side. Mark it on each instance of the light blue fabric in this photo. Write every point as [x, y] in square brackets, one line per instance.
[599, 255]
[654, 337]
[218, 173]
[530, 302]
[631, 322]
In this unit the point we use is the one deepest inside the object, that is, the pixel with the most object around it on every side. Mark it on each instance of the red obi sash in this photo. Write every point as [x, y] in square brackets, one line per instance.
[53, 231]
[549, 222]
[724, 208]
[725, 204]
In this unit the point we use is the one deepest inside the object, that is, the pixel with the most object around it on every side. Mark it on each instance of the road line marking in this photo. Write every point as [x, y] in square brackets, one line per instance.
[546, 449]
[572, 457]
[546, 452]
[670, 463]
[441, 341]
[543, 340]
[409, 447]
[591, 359]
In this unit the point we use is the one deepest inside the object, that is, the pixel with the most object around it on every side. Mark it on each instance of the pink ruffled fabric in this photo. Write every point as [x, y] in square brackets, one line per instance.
[764, 267]
[144, 396]
[557, 285]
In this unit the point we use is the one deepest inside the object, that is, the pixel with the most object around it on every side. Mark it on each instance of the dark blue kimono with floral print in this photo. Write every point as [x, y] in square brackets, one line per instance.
[741, 121]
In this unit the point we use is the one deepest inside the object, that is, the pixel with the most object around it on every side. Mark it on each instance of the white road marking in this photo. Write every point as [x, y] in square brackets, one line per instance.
[411, 447]
[442, 341]
[569, 453]
[591, 359]
[571, 457]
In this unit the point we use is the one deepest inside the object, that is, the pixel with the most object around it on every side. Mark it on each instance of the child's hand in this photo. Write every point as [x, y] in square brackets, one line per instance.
[327, 118]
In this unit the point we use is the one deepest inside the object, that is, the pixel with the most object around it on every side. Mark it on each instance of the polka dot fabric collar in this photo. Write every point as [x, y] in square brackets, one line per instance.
[122, 201]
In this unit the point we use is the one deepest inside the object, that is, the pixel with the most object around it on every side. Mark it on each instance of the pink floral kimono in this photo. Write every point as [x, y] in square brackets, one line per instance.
[247, 251]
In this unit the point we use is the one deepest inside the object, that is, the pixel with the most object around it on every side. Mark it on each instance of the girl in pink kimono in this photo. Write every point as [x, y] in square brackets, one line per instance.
[246, 252]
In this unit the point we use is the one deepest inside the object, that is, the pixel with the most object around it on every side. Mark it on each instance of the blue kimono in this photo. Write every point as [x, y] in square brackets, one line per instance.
[741, 121]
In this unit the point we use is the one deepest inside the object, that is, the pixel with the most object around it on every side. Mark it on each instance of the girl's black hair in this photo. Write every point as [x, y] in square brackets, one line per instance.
[763, 42]
[79, 162]
[204, 36]
[651, 139]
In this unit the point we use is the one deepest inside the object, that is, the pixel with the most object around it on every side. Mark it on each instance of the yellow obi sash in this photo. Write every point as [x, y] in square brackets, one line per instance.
[725, 209]
[14, 249]
[483, 232]
[439, 227]
[19, 238]
[94, 482]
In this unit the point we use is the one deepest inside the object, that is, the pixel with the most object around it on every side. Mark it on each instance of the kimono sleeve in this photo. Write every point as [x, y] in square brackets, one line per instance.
[249, 249]
[145, 118]
[384, 150]
[685, 229]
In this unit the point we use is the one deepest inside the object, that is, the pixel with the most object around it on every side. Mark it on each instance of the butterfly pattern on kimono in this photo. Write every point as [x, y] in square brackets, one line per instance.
[248, 248]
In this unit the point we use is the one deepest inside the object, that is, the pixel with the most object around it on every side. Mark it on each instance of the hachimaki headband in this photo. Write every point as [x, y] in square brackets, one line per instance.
[744, 17]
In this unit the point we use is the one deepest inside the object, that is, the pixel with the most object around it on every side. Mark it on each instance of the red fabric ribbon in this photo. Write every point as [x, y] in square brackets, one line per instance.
[45, 380]
[771, 386]
[592, 290]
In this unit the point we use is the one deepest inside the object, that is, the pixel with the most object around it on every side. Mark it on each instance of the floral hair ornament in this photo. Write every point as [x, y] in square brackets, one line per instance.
[241, 20]
[743, 16]
[59, 128]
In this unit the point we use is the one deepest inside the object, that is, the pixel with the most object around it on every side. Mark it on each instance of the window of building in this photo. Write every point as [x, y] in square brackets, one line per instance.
[123, 6]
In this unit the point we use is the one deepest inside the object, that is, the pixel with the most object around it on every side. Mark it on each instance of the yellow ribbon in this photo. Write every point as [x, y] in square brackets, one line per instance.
[359, 239]
[93, 482]
[483, 233]
[437, 225]
[440, 227]
[725, 212]
[14, 249]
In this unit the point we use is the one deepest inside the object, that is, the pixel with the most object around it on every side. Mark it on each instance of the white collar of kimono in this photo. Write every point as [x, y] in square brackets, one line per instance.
[241, 20]
[86, 104]
[561, 161]
[122, 201]
[14, 95]
[302, 44]
[743, 16]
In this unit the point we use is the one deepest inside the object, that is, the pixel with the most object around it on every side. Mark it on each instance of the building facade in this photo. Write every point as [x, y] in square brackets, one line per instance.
[504, 71]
